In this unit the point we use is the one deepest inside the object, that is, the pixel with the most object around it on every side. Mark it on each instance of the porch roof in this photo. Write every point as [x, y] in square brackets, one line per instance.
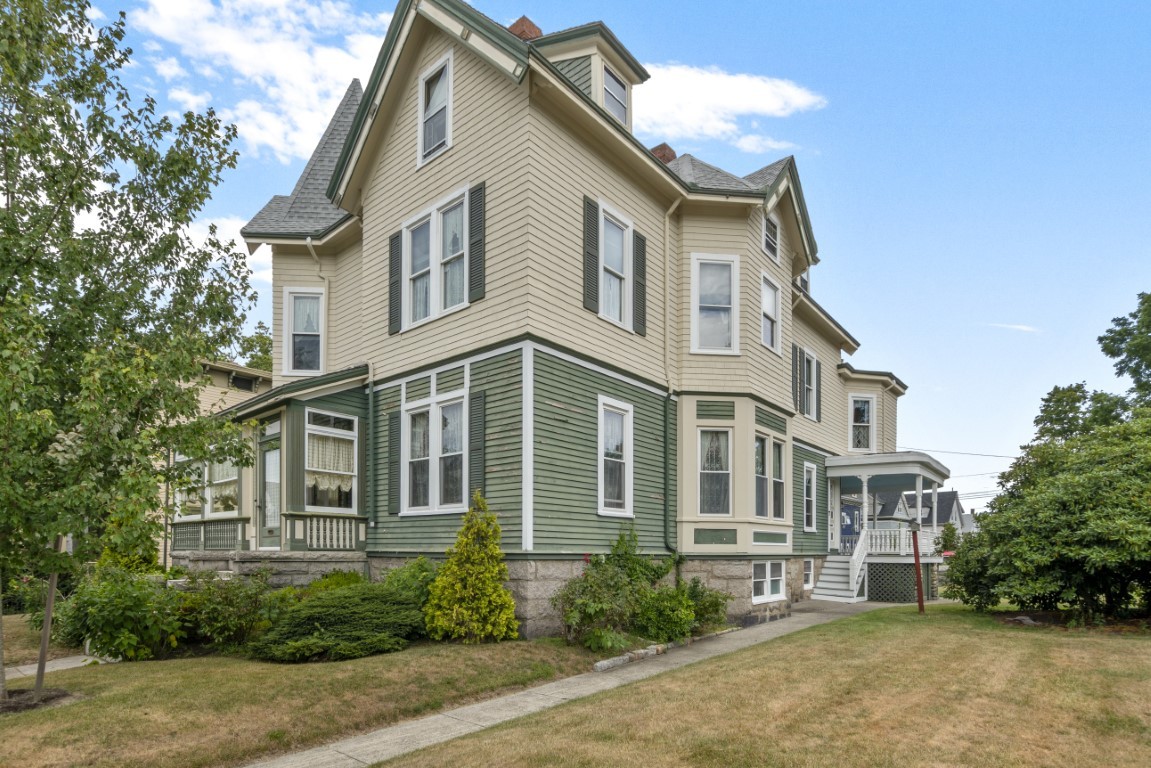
[885, 471]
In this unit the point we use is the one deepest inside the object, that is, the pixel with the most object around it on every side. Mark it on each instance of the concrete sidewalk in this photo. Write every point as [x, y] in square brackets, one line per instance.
[55, 665]
[409, 736]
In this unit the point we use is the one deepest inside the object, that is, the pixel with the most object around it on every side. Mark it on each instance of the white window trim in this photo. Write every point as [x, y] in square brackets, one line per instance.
[778, 236]
[696, 260]
[755, 477]
[628, 411]
[444, 62]
[699, 472]
[432, 405]
[808, 573]
[354, 436]
[210, 496]
[432, 214]
[811, 470]
[289, 324]
[781, 514]
[606, 210]
[851, 398]
[608, 71]
[809, 384]
[767, 597]
[778, 348]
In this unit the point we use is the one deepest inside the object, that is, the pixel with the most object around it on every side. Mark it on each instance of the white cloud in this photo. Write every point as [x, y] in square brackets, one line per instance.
[758, 145]
[705, 103]
[196, 102]
[1014, 327]
[169, 69]
[290, 61]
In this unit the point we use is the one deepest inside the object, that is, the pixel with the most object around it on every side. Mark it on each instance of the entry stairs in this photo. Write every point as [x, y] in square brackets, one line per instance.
[835, 582]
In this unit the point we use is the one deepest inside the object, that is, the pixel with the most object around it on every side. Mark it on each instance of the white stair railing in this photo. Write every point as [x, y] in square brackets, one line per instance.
[858, 556]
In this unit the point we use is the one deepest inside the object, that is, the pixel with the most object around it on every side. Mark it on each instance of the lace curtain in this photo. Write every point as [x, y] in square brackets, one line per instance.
[328, 454]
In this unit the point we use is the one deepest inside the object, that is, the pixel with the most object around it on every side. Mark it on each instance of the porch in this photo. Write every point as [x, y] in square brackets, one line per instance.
[857, 546]
[298, 532]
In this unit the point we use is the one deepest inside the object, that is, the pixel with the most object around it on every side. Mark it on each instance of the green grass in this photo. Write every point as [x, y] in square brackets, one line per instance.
[219, 711]
[885, 688]
[22, 643]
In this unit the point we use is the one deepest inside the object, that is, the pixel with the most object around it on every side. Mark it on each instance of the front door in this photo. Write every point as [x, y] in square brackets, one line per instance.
[270, 493]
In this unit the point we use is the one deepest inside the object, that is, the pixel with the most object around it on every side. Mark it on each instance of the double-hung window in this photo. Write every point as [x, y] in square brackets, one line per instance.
[436, 263]
[762, 478]
[809, 473]
[808, 573]
[435, 109]
[771, 237]
[304, 321]
[769, 311]
[330, 462]
[862, 423]
[714, 472]
[615, 95]
[217, 492]
[615, 465]
[778, 512]
[809, 384]
[436, 447]
[714, 304]
[767, 581]
[615, 266]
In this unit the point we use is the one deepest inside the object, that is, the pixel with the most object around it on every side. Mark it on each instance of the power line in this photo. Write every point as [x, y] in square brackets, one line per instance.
[959, 453]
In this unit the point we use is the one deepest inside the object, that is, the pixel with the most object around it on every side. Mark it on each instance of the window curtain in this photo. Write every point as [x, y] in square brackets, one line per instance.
[306, 314]
[328, 454]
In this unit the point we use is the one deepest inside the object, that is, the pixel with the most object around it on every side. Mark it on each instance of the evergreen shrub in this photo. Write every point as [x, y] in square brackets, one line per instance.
[468, 600]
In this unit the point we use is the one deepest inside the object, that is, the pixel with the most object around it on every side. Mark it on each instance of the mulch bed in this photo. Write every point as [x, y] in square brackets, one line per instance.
[21, 700]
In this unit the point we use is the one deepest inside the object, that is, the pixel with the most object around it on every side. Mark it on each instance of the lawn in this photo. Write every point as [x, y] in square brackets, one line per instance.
[22, 644]
[886, 688]
[219, 711]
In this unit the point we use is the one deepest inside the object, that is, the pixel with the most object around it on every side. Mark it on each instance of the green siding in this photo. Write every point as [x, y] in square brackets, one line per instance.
[769, 420]
[715, 536]
[387, 402]
[450, 381]
[715, 409]
[803, 542]
[768, 537]
[578, 70]
[567, 459]
[500, 378]
[420, 388]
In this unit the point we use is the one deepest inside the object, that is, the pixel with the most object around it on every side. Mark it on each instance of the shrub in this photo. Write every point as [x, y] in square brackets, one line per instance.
[664, 613]
[332, 580]
[123, 615]
[344, 623]
[468, 600]
[223, 612]
[625, 556]
[709, 605]
[414, 579]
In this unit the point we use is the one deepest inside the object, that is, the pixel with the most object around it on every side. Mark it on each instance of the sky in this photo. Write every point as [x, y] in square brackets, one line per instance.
[977, 173]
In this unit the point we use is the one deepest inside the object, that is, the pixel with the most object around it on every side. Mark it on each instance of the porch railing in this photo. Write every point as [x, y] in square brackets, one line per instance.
[229, 534]
[897, 541]
[312, 532]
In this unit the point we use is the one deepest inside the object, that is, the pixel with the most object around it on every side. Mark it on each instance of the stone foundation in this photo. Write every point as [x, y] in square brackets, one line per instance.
[288, 568]
[734, 577]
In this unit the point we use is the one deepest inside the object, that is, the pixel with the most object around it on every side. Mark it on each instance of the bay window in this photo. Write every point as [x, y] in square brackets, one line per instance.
[714, 304]
[330, 462]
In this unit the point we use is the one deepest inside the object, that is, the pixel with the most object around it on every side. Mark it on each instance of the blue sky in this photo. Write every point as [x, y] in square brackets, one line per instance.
[977, 173]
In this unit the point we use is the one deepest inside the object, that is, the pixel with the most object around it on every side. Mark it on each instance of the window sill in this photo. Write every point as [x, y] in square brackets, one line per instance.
[301, 374]
[425, 159]
[713, 515]
[433, 318]
[762, 600]
[776, 350]
[616, 513]
[433, 512]
[617, 323]
[810, 530]
[327, 511]
[721, 352]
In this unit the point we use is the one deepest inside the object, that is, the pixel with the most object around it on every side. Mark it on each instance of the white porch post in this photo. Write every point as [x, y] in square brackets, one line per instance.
[934, 507]
[866, 506]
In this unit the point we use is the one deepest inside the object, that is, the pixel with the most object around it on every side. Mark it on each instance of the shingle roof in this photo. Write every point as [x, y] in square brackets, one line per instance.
[700, 175]
[307, 212]
[947, 502]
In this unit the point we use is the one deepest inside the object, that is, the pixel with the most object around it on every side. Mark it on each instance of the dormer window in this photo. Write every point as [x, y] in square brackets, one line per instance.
[615, 95]
[436, 109]
[771, 237]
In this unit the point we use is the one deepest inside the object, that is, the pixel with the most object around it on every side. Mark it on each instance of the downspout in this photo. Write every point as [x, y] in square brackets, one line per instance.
[320, 274]
[667, 372]
[370, 479]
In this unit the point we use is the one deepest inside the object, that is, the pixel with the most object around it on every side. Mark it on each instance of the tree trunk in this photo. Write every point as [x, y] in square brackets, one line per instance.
[3, 680]
[46, 629]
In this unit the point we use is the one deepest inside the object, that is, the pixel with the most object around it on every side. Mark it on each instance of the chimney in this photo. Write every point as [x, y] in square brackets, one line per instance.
[525, 29]
[664, 153]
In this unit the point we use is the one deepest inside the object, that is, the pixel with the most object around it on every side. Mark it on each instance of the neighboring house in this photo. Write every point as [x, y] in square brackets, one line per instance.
[938, 510]
[228, 385]
[483, 281]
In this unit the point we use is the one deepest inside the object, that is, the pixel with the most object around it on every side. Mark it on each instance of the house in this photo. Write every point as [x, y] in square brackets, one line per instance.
[482, 280]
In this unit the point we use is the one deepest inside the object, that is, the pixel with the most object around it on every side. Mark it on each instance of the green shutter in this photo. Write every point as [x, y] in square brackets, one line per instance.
[476, 243]
[395, 292]
[796, 384]
[639, 271]
[590, 254]
[818, 389]
[477, 413]
[394, 462]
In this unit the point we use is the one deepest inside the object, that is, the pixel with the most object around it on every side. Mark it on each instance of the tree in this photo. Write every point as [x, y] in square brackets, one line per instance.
[468, 600]
[107, 306]
[256, 348]
[1128, 342]
[1072, 523]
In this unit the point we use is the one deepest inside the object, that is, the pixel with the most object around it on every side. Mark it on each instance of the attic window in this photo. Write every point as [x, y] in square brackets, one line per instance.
[771, 237]
[244, 383]
[615, 95]
[436, 109]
